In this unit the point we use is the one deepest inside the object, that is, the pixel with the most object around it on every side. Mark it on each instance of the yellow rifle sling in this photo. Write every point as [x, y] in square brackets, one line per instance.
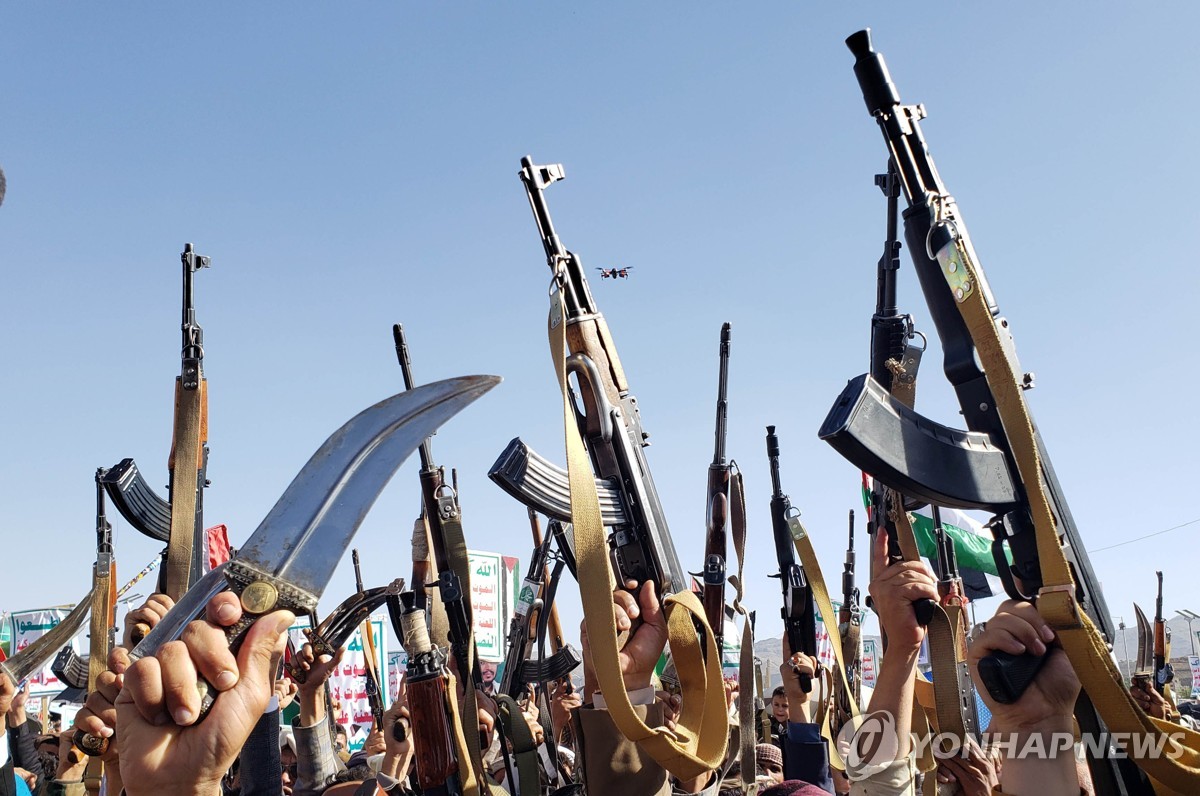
[1178, 768]
[697, 744]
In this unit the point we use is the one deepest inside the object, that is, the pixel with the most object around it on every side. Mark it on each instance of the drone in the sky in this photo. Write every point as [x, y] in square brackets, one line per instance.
[614, 273]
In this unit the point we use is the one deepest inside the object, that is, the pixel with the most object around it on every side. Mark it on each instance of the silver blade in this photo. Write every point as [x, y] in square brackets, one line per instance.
[36, 655]
[300, 542]
[1145, 654]
[304, 536]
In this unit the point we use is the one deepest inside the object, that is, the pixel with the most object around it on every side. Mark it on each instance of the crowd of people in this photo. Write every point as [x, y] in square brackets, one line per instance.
[159, 745]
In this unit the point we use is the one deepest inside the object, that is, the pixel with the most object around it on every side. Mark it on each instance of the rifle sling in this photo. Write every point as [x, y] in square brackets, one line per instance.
[1178, 768]
[186, 455]
[474, 781]
[698, 742]
[737, 524]
[816, 582]
[516, 729]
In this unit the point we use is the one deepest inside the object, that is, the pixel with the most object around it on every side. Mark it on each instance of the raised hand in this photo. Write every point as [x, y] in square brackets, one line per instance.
[142, 620]
[157, 709]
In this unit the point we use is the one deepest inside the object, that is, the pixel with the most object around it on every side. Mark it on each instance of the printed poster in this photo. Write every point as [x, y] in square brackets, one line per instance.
[494, 580]
[870, 662]
[28, 627]
[347, 686]
[1194, 663]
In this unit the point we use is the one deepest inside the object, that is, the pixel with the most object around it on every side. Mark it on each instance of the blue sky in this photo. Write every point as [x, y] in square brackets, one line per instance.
[349, 167]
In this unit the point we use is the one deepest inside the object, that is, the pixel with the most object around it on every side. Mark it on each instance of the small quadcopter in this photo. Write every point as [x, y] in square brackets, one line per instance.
[613, 273]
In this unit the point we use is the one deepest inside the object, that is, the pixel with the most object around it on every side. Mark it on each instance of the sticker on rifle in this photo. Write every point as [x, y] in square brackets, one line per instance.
[529, 589]
[954, 268]
[555, 309]
[797, 529]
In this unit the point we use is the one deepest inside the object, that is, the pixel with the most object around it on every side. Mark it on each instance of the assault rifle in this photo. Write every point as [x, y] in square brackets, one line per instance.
[953, 599]
[179, 521]
[534, 617]
[716, 519]
[440, 503]
[372, 678]
[1163, 672]
[799, 615]
[79, 673]
[975, 468]
[609, 421]
[850, 628]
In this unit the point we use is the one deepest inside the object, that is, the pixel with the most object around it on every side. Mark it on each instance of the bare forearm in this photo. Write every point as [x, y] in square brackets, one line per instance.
[312, 706]
[894, 693]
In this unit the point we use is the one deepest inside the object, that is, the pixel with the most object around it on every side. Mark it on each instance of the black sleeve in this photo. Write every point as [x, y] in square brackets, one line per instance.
[261, 770]
[22, 748]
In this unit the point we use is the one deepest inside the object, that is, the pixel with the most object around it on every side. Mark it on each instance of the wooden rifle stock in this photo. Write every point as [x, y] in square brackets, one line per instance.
[187, 461]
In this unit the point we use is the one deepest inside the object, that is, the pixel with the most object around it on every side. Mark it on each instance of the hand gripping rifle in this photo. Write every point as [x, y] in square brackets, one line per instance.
[716, 518]
[429, 701]
[180, 521]
[977, 468]
[799, 616]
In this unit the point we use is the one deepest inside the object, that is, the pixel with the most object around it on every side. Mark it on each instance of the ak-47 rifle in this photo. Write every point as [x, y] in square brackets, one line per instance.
[954, 599]
[180, 521]
[894, 361]
[1163, 672]
[607, 441]
[611, 423]
[441, 507]
[978, 468]
[80, 675]
[799, 615]
[534, 617]
[850, 627]
[374, 692]
[716, 518]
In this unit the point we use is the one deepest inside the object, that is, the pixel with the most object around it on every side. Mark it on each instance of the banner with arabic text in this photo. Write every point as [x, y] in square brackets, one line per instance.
[494, 582]
[348, 685]
[28, 627]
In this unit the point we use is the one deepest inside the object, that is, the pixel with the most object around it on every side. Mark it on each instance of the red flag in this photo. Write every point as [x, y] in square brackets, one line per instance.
[216, 546]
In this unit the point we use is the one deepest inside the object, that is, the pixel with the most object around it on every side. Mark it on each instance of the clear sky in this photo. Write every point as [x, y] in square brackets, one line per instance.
[349, 165]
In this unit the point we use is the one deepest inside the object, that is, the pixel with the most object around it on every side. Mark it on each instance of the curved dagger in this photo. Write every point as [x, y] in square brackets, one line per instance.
[35, 656]
[289, 559]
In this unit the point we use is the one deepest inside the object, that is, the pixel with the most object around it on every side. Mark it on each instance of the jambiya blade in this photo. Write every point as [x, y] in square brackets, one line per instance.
[288, 560]
[36, 655]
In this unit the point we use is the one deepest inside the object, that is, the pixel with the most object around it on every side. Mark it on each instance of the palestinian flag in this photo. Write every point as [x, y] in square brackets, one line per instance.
[972, 546]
